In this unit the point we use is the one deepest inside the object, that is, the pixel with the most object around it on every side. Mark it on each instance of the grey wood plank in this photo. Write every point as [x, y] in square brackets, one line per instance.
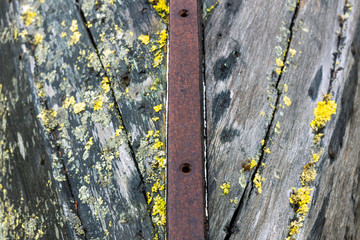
[239, 87]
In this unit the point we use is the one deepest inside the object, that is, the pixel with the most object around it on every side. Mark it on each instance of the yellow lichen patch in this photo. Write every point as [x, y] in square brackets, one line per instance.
[119, 131]
[262, 142]
[316, 157]
[279, 62]
[105, 84]
[287, 101]
[301, 198]
[150, 133]
[63, 34]
[89, 24]
[278, 70]
[155, 119]
[295, 226]
[145, 39]
[16, 32]
[225, 187]
[161, 7]
[318, 137]
[69, 102]
[157, 187]
[277, 127]
[308, 175]
[258, 180]
[48, 118]
[252, 164]
[267, 150]
[157, 145]
[38, 38]
[162, 38]
[98, 103]
[28, 17]
[79, 107]
[159, 211]
[89, 144]
[23, 33]
[149, 198]
[292, 52]
[159, 161]
[157, 108]
[212, 7]
[159, 56]
[74, 26]
[323, 112]
[153, 48]
[75, 38]
[286, 87]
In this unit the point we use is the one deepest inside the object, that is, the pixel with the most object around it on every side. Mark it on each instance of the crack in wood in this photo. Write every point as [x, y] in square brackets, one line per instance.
[249, 186]
[333, 70]
[67, 178]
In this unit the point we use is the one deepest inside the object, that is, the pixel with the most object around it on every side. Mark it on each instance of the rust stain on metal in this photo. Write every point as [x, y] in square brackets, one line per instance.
[185, 192]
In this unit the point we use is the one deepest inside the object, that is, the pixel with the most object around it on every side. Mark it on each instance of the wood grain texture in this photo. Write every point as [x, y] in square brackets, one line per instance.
[87, 97]
[314, 35]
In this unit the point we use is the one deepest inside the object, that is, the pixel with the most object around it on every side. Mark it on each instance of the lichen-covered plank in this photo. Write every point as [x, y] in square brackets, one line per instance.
[32, 204]
[91, 152]
[130, 38]
[322, 51]
[241, 47]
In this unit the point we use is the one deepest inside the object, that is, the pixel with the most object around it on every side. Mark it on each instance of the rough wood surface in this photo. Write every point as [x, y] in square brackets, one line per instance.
[242, 86]
[82, 108]
[87, 87]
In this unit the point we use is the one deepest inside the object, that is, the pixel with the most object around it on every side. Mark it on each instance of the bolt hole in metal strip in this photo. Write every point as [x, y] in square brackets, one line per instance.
[185, 170]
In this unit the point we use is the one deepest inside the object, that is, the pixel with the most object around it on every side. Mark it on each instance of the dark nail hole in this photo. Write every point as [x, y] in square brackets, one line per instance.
[331, 152]
[42, 160]
[183, 13]
[185, 168]
[219, 36]
[223, 67]
[125, 80]
[353, 50]
[235, 54]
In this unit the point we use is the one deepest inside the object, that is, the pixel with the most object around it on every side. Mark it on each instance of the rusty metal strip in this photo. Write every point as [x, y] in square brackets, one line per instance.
[185, 171]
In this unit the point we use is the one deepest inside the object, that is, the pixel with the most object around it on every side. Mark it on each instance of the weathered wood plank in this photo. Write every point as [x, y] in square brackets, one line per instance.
[290, 138]
[135, 65]
[31, 206]
[239, 87]
[90, 151]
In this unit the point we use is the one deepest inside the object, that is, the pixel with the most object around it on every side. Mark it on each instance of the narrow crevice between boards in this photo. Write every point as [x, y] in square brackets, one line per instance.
[92, 40]
[204, 109]
[250, 185]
